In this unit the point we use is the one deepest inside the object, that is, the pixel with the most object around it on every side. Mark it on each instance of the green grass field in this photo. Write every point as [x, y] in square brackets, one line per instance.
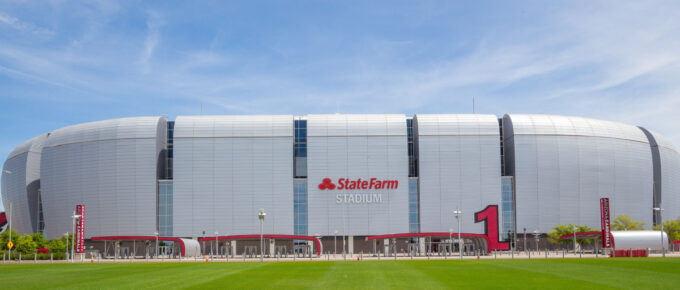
[649, 273]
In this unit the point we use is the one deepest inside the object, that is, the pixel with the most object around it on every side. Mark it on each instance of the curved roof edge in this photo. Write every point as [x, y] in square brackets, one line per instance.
[121, 128]
[233, 126]
[529, 124]
[34, 144]
[457, 124]
[662, 141]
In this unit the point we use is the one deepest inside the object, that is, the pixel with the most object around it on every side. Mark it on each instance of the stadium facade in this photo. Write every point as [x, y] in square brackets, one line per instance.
[345, 175]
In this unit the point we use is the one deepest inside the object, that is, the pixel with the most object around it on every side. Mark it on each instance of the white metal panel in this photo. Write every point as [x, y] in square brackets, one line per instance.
[670, 177]
[357, 146]
[228, 167]
[653, 240]
[20, 187]
[563, 165]
[192, 248]
[459, 167]
[110, 167]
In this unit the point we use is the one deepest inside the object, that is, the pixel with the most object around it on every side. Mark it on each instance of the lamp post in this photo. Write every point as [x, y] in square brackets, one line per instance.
[575, 229]
[66, 234]
[9, 217]
[536, 234]
[9, 221]
[525, 240]
[74, 216]
[451, 240]
[261, 216]
[663, 247]
[217, 248]
[458, 213]
[156, 235]
[335, 242]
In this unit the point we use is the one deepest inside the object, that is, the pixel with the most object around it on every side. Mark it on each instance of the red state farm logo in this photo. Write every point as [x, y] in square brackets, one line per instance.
[327, 184]
[359, 184]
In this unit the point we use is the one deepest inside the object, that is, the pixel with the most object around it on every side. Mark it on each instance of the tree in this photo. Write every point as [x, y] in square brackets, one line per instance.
[672, 229]
[40, 240]
[558, 231]
[56, 246]
[4, 238]
[624, 222]
[26, 245]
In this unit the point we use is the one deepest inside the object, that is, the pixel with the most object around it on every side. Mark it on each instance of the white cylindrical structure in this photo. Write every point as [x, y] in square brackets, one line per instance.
[639, 240]
[192, 248]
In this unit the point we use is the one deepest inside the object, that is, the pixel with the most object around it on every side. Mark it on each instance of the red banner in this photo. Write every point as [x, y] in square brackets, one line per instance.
[605, 223]
[80, 229]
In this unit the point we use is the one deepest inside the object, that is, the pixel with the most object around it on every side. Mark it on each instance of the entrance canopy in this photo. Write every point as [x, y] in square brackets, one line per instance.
[583, 236]
[182, 242]
[479, 238]
[266, 236]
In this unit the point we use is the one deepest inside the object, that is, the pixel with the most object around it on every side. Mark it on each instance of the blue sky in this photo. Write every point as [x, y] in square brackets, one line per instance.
[63, 63]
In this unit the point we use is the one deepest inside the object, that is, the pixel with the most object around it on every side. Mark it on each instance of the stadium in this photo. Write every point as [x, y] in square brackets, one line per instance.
[368, 180]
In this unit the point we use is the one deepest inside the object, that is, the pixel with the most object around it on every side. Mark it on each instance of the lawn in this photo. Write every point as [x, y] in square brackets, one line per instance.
[646, 273]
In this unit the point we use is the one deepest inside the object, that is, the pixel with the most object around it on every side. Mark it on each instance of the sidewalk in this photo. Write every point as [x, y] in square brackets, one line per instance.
[339, 257]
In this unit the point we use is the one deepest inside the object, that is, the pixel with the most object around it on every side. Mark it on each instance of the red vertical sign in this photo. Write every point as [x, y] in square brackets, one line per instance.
[605, 223]
[80, 229]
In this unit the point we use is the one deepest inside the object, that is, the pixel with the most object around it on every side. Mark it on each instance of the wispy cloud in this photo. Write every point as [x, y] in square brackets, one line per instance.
[23, 26]
[617, 61]
[153, 26]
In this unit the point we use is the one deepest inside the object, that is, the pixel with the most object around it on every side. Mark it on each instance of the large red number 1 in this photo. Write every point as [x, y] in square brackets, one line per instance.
[489, 216]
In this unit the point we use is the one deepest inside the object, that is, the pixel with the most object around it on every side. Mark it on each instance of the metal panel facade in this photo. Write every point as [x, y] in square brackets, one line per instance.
[563, 165]
[357, 147]
[109, 166]
[670, 178]
[228, 167]
[20, 187]
[460, 168]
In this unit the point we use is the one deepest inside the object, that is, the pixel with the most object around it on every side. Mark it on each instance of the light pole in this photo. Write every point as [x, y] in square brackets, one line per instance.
[9, 220]
[451, 240]
[458, 213]
[261, 216]
[74, 216]
[335, 242]
[156, 234]
[9, 217]
[525, 240]
[663, 247]
[217, 248]
[344, 229]
[536, 234]
[66, 234]
[575, 229]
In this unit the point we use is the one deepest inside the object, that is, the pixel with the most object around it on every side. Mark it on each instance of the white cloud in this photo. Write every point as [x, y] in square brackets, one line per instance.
[23, 26]
[153, 25]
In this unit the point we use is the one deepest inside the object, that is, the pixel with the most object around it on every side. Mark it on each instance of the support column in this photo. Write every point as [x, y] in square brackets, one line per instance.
[233, 248]
[421, 244]
[386, 247]
[272, 247]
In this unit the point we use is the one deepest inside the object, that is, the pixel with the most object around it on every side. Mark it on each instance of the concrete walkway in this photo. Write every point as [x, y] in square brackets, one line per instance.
[339, 257]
